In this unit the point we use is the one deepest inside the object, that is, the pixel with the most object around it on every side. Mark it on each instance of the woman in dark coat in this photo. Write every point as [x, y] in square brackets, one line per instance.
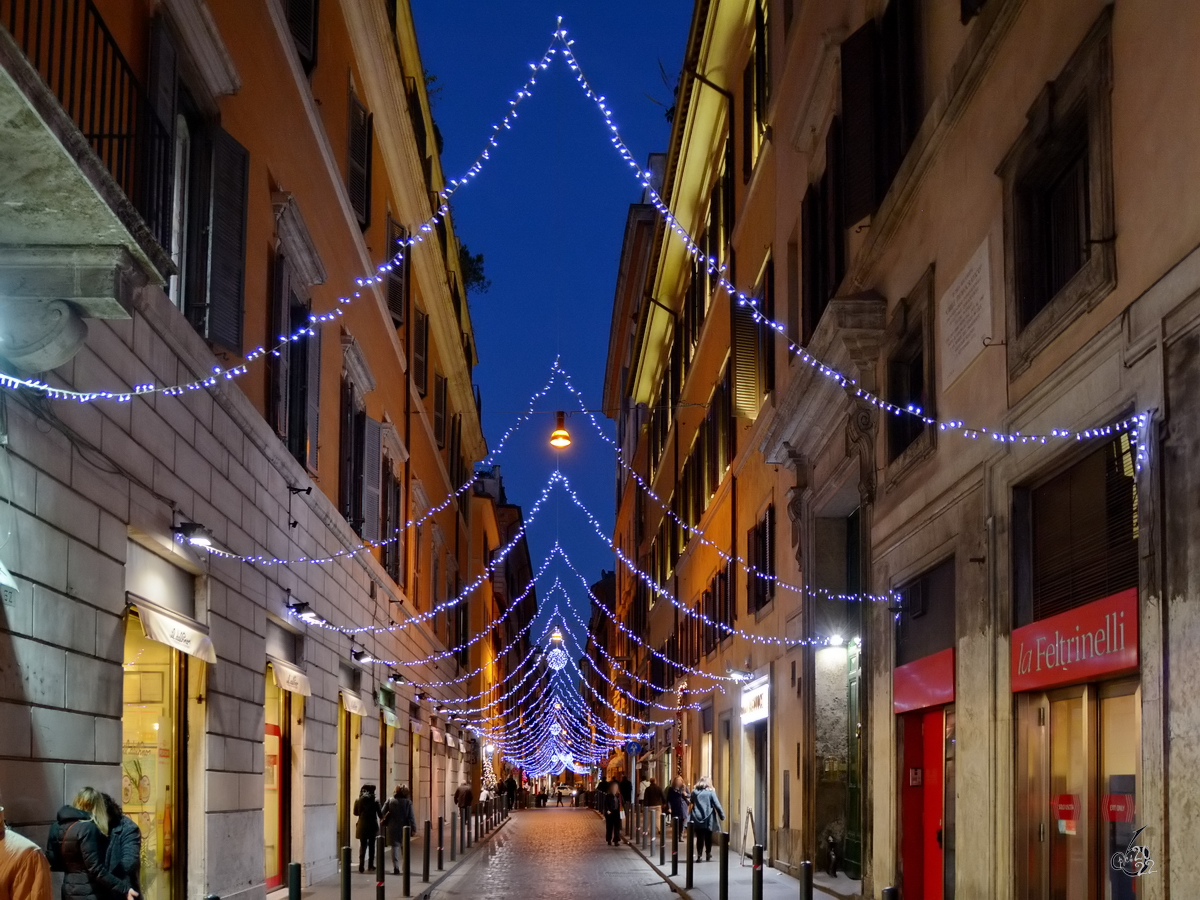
[124, 857]
[78, 844]
[397, 814]
[366, 807]
[677, 799]
[613, 806]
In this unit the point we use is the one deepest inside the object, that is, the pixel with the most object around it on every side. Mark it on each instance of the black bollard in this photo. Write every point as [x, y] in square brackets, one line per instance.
[425, 854]
[723, 867]
[662, 838]
[756, 874]
[407, 882]
[453, 835]
[890, 893]
[294, 881]
[345, 873]
[675, 823]
[380, 866]
[441, 837]
[691, 852]
[806, 884]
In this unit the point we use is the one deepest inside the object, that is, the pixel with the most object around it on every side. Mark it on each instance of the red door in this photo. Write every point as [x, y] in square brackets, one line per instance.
[922, 793]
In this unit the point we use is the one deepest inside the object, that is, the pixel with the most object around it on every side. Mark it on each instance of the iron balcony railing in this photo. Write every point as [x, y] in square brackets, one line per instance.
[69, 45]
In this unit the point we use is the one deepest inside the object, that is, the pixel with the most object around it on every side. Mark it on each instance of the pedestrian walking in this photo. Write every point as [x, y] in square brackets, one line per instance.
[614, 808]
[558, 796]
[124, 856]
[397, 814]
[366, 807]
[510, 788]
[78, 845]
[653, 795]
[24, 869]
[707, 815]
[463, 798]
[626, 789]
[677, 800]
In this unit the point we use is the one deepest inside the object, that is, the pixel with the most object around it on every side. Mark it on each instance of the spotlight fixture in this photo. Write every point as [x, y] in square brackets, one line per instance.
[836, 640]
[193, 533]
[737, 674]
[303, 611]
[396, 678]
[360, 656]
[560, 437]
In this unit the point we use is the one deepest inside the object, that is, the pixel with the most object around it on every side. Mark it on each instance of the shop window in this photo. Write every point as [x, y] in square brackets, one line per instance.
[1077, 534]
[1058, 203]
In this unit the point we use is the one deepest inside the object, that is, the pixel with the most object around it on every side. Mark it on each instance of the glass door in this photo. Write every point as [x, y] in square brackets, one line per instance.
[276, 782]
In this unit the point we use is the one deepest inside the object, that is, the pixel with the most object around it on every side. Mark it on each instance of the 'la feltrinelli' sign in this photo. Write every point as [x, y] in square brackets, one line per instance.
[1099, 639]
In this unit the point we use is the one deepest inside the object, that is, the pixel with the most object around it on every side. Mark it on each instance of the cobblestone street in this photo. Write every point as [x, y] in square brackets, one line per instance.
[547, 854]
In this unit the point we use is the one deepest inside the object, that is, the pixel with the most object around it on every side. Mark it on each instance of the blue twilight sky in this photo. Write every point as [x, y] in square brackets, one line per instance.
[548, 213]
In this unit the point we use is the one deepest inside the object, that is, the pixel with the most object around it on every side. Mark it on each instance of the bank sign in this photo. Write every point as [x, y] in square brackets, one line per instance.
[1098, 639]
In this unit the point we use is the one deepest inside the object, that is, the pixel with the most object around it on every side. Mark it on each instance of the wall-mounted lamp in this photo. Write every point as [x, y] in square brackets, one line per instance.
[303, 611]
[397, 678]
[193, 533]
[737, 674]
[836, 640]
[361, 656]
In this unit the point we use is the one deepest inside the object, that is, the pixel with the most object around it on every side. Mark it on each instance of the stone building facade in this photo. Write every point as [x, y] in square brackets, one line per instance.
[215, 597]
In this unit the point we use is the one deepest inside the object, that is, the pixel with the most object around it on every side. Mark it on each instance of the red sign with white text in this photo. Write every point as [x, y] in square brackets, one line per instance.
[1118, 807]
[1100, 638]
[1066, 807]
[923, 683]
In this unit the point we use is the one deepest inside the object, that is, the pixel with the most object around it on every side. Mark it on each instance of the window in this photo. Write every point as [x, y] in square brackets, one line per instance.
[906, 389]
[766, 332]
[909, 379]
[755, 92]
[295, 374]
[358, 165]
[925, 620]
[462, 617]
[439, 408]
[823, 248]
[1060, 258]
[881, 105]
[420, 350]
[397, 277]
[210, 192]
[360, 470]
[1079, 534]
[395, 515]
[302, 21]
[760, 554]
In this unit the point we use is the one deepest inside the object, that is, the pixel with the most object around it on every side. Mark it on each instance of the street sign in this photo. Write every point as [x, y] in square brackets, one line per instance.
[633, 748]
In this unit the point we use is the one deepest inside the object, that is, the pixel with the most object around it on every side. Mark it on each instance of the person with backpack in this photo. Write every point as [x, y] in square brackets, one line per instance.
[706, 809]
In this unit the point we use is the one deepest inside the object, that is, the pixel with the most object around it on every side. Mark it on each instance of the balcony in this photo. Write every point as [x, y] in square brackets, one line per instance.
[86, 173]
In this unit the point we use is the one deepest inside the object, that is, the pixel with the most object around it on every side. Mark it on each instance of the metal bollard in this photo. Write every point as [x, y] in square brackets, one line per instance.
[652, 824]
[691, 852]
[890, 893]
[407, 882]
[756, 874]
[453, 835]
[662, 838]
[345, 873]
[675, 823]
[806, 883]
[441, 838]
[380, 866]
[294, 881]
[425, 853]
[723, 867]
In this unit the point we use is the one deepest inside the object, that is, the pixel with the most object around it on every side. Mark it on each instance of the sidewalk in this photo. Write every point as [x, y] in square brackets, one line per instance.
[362, 887]
[706, 876]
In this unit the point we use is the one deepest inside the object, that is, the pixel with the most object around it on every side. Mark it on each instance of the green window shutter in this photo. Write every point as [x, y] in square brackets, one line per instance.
[420, 350]
[227, 262]
[312, 423]
[372, 478]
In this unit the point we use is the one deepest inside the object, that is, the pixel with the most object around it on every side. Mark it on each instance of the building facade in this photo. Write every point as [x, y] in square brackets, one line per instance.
[975, 210]
[217, 593]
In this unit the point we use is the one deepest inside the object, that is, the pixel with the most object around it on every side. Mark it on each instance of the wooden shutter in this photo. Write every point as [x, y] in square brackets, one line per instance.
[302, 20]
[279, 362]
[833, 228]
[372, 477]
[748, 120]
[767, 529]
[860, 109]
[747, 389]
[762, 61]
[227, 262]
[163, 74]
[346, 486]
[397, 279]
[420, 350]
[752, 562]
[439, 409]
[312, 397]
[358, 169]
[767, 332]
[900, 88]
[811, 251]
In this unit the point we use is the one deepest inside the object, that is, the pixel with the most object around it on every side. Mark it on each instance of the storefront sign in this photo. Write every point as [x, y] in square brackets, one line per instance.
[925, 682]
[170, 628]
[290, 677]
[1099, 639]
[755, 697]
[354, 704]
[1065, 807]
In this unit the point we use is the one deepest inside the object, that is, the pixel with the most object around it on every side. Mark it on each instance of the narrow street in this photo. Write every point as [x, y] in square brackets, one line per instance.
[546, 854]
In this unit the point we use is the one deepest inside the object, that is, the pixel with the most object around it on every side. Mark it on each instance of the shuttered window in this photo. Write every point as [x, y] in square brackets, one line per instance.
[907, 387]
[372, 479]
[295, 371]
[420, 350]
[760, 554]
[227, 263]
[312, 399]
[766, 332]
[747, 386]
[352, 427]
[397, 277]
[749, 120]
[358, 168]
[1084, 535]
[439, 409]
[823, 250]
[860, 110]
[395, 515]
[302, 21]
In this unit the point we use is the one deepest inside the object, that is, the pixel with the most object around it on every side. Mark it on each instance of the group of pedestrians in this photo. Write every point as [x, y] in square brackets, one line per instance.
[92, 842]
[700, 807]
[393, 816]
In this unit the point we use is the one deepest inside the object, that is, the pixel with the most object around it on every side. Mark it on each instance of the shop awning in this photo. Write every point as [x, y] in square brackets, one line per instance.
[290, 677]
[175, 630]
[353, 703]
[438, 735]
[389, 718]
